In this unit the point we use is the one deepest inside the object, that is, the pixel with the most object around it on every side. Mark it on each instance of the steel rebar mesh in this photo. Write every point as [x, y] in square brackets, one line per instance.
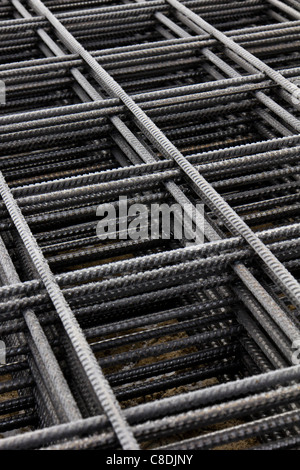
[149, 343]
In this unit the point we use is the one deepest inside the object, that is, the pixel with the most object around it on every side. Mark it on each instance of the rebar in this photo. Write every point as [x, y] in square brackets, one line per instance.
[118, 343]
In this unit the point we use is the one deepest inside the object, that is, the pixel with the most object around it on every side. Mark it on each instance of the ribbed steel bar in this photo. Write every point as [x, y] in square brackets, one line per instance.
[161, 101]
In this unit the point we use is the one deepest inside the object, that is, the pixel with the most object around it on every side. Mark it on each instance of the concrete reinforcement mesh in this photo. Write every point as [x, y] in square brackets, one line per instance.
[150, 342]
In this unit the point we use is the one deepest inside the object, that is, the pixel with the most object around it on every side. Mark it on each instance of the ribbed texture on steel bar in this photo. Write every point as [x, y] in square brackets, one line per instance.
[150, 342]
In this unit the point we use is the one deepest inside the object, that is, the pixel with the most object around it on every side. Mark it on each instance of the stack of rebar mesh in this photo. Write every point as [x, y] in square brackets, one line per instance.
[150, 343]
